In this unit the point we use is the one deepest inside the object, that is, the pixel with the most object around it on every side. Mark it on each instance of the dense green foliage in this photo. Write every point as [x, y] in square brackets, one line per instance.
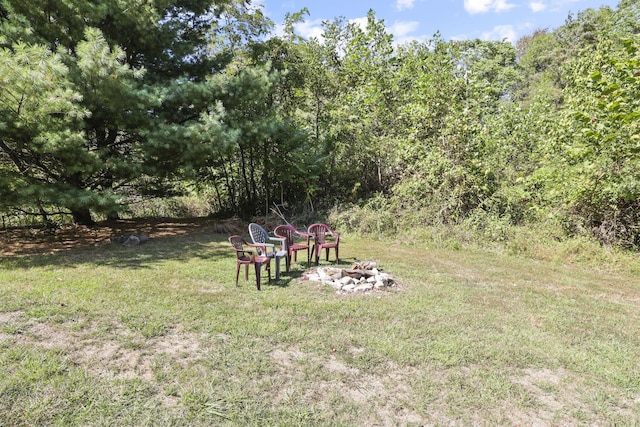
[595, 168]
[107, 103]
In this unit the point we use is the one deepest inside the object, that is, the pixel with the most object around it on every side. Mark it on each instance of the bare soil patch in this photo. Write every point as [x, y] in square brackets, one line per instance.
[382, 393]
[107, 356]
[31, 241]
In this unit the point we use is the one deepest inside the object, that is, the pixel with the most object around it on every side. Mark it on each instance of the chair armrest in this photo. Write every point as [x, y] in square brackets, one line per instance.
[261, 247]
[282, 240]
[305, 236]
[243, 253]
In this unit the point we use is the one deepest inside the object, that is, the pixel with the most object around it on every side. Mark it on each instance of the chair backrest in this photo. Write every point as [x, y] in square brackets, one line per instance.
[236, 242]
[258, 234]
[238, 245]
[319, 231]
[287, 231]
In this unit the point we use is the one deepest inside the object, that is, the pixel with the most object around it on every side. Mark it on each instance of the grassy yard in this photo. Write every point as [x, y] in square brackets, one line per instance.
[159, 335]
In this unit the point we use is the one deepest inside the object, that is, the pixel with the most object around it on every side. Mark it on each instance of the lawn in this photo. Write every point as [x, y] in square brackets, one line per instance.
[158, 334]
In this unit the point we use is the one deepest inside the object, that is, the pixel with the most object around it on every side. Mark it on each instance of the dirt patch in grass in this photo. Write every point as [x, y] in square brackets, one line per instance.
[10, 317]
[112, 356]
[559, 395]
[31, 241]
[380, 393]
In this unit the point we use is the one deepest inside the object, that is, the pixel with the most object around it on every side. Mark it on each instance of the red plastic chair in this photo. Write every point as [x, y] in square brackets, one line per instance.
[294, 242]
[319, 233]
[247, 257]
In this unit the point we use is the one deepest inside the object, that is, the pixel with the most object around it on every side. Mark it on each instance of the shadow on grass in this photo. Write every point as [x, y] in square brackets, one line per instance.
[206, 246]
[295, 274]
[287, 278]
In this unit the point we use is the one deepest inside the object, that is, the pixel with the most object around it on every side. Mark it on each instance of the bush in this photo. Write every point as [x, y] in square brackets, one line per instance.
[171, 207]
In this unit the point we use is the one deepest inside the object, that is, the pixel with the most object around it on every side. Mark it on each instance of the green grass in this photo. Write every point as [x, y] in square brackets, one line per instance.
[159, 335]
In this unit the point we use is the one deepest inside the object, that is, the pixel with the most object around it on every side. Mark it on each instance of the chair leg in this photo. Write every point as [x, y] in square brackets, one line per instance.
[337, 258]
[257, 265]
[237, 273]
[327, 253]
[277, 260]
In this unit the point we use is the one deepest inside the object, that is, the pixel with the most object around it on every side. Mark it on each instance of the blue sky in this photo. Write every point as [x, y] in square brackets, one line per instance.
[454, 19]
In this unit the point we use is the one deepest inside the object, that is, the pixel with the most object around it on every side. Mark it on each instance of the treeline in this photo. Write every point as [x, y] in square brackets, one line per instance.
[103, 104]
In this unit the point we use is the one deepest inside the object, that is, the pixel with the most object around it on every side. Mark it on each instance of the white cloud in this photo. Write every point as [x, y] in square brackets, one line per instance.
[309, 29]
[360, 22]
[404, 4]
[403, 28]
[483, 6]
[502, 5]
[404, 32]
[560, 5]
[459, 37]
[477, 6]
[537, 6]
[399, 41]
[501, 32]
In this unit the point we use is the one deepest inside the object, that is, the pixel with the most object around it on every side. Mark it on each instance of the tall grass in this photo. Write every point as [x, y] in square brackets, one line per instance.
[541, 239]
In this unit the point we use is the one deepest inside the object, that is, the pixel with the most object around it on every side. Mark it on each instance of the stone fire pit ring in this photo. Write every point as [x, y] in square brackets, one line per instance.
[363, 276]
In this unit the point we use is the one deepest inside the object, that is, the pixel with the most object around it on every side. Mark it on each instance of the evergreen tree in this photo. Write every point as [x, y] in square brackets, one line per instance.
[131, 79]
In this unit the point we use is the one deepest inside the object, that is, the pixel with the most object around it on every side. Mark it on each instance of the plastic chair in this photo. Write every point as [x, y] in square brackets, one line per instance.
[319, 233]
[247, 257]
[293, 242]
[261, 240]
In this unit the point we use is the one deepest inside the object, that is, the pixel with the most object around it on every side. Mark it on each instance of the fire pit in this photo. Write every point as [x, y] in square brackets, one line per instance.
[363, 276]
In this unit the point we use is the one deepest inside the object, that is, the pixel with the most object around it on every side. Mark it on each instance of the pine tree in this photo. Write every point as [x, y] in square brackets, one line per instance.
[101, 99]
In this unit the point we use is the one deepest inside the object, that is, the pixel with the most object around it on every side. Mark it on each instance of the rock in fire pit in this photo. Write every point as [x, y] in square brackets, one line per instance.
[363, 276]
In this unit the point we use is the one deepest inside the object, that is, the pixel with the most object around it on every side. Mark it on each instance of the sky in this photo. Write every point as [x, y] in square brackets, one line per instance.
[455, 19]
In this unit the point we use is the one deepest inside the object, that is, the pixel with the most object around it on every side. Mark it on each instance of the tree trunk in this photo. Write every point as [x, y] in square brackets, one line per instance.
[82, 217]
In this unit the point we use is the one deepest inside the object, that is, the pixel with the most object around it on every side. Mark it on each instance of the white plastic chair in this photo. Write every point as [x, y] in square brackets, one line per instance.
[259, 236]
